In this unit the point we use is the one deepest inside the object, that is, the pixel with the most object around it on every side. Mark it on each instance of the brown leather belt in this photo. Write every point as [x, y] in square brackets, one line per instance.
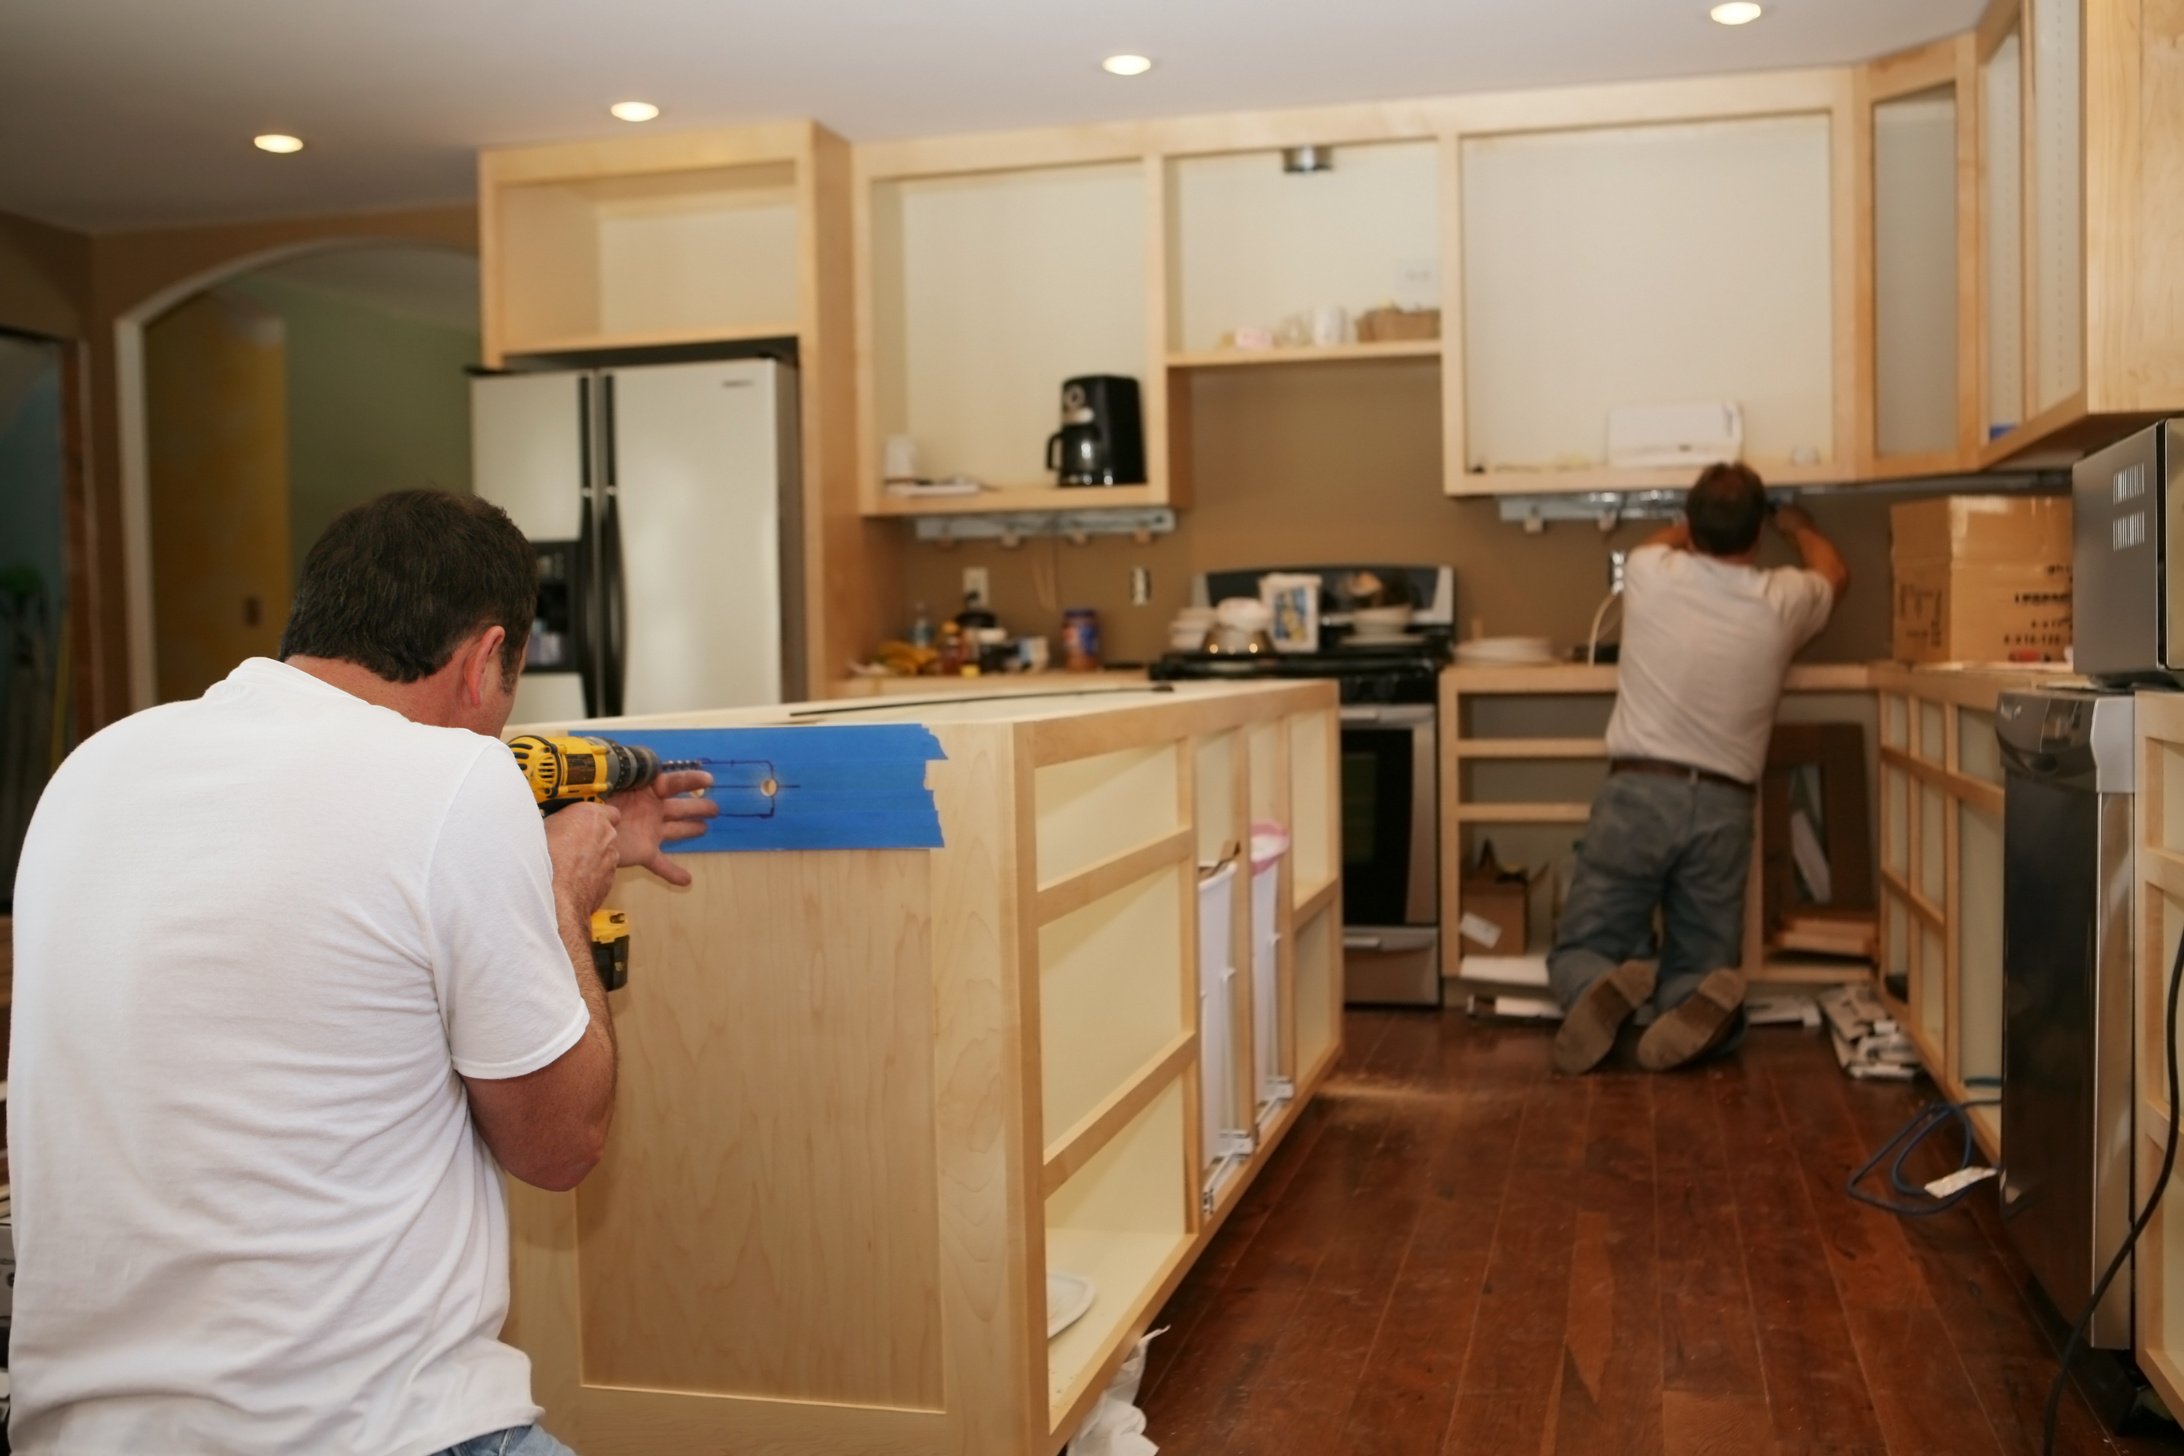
[1661, 768]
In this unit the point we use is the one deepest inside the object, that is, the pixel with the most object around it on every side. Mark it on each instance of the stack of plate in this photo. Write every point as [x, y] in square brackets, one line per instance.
[1506, 652]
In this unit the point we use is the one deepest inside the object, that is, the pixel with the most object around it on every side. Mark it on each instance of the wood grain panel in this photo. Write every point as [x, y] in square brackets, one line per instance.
[709, 1217]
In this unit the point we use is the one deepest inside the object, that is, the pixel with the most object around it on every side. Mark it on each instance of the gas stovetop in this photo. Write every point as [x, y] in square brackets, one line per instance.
[1396, 673]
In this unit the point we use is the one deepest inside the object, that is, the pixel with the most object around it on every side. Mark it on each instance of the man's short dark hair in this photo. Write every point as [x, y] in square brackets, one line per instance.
[1727, 507]
[396, 584]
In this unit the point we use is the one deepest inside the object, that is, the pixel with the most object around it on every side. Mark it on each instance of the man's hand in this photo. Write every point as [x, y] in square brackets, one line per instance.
[658, 814]
[581, 842]
[1790, 520]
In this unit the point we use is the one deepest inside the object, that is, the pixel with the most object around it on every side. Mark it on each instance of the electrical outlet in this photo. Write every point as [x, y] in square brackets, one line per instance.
[1141, 586]
[1618, 561]
[1418, 283]
[977, 588]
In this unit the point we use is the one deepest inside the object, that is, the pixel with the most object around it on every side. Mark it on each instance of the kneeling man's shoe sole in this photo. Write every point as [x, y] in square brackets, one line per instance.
[1588, 1028]
[1696, 1027]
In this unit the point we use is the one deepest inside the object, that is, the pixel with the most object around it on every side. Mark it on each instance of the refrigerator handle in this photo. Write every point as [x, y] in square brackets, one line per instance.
[584, 576]
[613, 603]
[606, 427]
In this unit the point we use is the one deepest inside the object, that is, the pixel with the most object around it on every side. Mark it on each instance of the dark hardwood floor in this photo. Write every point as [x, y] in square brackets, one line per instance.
[1457, 1254]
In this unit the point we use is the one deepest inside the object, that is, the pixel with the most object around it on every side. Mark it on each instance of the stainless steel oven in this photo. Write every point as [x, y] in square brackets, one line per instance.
[1390, 855]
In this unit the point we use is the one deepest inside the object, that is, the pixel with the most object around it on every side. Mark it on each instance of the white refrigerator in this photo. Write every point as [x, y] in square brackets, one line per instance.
[663, 500]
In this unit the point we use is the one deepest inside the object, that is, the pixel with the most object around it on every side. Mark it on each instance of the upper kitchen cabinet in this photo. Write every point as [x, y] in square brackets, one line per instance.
[1914, 294]
[2081, 133]
[695, 238]
[1672, 245]
[1302, 244]
[982, 291]
[1918, 307]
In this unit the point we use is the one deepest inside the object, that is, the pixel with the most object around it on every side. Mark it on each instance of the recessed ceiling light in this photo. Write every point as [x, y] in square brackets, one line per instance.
[1735, 12]
[1126, 65]
[634, 110]
[274, 141]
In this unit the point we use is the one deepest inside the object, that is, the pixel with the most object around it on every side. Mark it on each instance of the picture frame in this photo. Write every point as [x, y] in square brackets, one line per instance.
[1292, 604]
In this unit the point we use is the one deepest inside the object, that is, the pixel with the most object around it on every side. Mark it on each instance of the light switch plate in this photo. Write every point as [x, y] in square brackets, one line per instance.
[977, 587]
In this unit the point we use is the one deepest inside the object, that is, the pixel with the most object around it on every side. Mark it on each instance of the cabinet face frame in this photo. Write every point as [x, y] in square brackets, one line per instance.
[2160, 910]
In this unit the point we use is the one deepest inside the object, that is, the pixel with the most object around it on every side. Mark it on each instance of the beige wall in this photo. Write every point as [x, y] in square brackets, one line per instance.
[1303, 464]
[45, 278]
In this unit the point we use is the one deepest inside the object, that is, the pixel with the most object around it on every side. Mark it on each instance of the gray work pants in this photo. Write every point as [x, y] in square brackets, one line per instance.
[1680, 845]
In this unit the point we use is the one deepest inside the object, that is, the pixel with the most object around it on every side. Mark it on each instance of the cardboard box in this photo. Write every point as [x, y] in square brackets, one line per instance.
[1982, 579]
[1497, 916]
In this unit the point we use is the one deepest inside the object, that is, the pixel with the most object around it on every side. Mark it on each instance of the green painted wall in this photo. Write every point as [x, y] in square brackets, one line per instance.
[377, 401]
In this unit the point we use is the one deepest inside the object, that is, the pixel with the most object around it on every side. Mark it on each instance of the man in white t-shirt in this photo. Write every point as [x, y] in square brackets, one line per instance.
[298, 971]
[1707, 639]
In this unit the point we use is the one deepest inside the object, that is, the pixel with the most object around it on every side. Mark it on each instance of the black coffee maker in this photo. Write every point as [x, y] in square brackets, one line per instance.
[1102, 439]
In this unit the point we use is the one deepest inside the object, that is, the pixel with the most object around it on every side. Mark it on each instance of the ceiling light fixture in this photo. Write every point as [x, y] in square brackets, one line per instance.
[634, 110]
[274, 141]
[1735, 12]
[1126, 65]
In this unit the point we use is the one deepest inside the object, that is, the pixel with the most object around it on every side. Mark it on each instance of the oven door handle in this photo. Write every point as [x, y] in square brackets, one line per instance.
[1409, 715]
[1391, 942]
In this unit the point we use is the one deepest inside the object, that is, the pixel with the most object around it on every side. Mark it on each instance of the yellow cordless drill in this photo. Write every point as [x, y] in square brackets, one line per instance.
[565, 771]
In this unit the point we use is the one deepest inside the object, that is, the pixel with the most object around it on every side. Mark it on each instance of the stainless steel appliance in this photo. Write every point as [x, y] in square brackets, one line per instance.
[1102, 439]
[2067, 1083]
[664, 504]
[1391, 904]
[2127, 523]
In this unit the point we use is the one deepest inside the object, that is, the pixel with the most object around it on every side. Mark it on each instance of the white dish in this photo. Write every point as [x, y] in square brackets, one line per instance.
[1381, 619]
[1068, 1297]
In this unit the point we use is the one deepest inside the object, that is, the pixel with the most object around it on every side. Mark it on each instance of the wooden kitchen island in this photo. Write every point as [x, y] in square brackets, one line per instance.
[870, 1099]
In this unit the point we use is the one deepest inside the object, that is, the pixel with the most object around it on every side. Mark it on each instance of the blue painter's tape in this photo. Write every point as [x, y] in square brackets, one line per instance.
[847, 786]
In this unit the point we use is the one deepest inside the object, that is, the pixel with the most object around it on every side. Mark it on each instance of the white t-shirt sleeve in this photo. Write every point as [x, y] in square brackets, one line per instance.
[508, 994]
[1805, 600]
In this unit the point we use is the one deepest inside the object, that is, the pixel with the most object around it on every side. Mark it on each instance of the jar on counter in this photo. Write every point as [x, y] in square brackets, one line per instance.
[1081, 639]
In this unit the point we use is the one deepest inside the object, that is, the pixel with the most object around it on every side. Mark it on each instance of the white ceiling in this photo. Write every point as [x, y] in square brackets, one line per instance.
[435, 285]
[130, 113]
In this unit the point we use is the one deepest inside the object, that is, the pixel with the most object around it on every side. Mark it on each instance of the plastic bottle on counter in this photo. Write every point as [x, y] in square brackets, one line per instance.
[1081, 639]
[921, 628]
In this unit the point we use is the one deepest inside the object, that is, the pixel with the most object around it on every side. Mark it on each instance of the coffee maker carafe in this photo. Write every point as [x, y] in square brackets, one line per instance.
[1102, 439]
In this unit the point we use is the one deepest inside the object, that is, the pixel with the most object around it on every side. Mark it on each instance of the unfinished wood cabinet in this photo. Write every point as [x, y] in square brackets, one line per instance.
[2080, 137]
[1919, 305]
[1523, 752]
[1622, 266]
[870, 1100]
[2158, 1333]
[673, 239]
[1941, 872]
[981, 291]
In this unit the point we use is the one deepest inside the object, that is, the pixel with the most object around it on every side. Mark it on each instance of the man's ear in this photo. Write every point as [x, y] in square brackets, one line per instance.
[481, 655]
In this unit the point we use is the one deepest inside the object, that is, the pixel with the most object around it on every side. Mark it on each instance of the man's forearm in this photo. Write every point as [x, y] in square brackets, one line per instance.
[576, 940]
[1818, 554]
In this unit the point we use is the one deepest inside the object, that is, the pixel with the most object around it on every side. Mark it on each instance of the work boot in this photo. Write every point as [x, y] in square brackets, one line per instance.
[1588, 1028]
[1695, 1028]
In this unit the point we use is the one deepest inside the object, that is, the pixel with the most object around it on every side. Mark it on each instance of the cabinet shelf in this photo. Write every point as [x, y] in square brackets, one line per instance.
[1127, 1271]
[1604, 478]
[1025, 498]
[650, 338]
[1318, 354]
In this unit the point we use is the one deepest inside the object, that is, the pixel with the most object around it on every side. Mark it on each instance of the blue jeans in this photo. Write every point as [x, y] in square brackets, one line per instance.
[516, 1441]
[1681, 846]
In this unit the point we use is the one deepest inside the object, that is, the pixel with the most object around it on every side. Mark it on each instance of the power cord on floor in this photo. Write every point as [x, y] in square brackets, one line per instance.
[2138, 1225]
[1912, 1199]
